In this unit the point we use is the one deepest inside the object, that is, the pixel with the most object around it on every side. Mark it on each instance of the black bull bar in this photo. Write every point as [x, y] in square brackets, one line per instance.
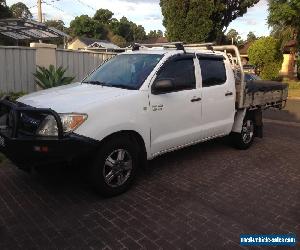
[13, 110]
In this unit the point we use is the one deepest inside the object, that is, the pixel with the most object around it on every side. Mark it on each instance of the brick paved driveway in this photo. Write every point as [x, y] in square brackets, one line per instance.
[202, 197]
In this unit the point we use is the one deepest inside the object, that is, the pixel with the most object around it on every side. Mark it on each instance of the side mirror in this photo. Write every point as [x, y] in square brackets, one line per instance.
[162, 86]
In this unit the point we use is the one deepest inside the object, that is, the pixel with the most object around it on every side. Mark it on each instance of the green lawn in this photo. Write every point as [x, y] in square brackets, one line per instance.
[294, 88]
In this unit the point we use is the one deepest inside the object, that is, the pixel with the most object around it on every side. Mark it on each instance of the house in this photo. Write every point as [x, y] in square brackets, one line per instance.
[84, 43]
[20, 32]
[289, 65]
[288, 69]
[244, 52]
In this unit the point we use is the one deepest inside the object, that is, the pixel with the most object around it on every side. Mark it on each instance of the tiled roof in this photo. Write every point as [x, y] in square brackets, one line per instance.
[97, 43]
[244, 48]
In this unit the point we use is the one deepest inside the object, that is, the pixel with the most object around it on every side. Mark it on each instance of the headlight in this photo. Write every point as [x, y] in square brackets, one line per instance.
[70, 122]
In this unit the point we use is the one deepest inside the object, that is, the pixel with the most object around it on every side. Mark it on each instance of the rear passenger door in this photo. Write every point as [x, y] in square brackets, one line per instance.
[218, 95]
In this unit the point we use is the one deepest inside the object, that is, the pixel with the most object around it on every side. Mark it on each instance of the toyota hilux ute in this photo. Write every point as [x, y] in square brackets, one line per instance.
[136, 106]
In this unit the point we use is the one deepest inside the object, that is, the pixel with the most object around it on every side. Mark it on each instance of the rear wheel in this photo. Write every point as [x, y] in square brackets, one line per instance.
[115, 166]
[244, 139]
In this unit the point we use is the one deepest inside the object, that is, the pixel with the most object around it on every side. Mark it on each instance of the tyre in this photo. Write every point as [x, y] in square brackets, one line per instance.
[244, 139]
[114, 168]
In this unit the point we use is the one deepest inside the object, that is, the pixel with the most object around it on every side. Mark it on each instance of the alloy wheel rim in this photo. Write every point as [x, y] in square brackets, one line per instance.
[247, 131]
[117, 168]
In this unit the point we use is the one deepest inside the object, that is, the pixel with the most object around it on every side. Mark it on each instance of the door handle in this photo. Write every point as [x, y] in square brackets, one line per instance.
[228, 93]
[196, 99]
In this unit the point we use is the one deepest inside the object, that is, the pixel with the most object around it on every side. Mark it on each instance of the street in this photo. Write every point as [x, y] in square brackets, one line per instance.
[201, 197]
[291, 113]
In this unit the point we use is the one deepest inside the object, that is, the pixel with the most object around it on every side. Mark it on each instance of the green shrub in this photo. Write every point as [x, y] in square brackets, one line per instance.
[51, 77]
[270, 71]
[13, 95]
[265, 54]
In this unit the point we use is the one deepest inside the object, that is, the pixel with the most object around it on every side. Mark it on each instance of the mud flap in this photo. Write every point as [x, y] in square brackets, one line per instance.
[257, 115]
[238, 121]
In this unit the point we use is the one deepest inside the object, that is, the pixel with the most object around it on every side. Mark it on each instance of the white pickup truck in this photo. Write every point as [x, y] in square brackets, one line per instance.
[136, 106]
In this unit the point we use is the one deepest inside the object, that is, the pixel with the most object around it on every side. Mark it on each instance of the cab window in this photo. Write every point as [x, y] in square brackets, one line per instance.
[213, 71]
[181, 72]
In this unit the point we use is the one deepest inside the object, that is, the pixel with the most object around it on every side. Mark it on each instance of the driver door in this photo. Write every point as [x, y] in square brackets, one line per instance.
[176, 114]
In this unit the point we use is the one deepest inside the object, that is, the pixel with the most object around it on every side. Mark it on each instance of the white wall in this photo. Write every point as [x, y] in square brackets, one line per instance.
[17, 64]
[16, 67]
[80, 63]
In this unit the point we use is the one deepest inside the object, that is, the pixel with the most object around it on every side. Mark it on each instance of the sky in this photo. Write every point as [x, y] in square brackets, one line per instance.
[144, 12]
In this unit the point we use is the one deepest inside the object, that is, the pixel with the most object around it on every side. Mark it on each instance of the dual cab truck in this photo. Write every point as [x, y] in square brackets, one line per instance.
[136, 106]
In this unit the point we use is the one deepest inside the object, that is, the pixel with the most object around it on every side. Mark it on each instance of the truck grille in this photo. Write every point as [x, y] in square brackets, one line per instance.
[29, 123]
[10, 121]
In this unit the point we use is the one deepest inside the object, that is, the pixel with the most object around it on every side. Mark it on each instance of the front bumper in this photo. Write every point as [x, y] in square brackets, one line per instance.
[27, 152]
[26, 149]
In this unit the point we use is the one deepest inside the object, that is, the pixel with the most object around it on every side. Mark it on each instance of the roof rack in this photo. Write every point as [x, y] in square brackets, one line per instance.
[177, 45]
[208, 46]
[200, 44]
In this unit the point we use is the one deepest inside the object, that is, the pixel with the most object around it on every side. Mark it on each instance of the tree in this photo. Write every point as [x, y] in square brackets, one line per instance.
[104, 26]
[139, 33]
[251, 37]
[104, 16]
[85, 26]
[187, 20]
[224, 12]
[233, 37]
[124, 29]
[159, 33]
[114, 26]
[202, 19]
[155, 34]
[118, 40]
[284, 18]
[128, 30]
[20, 10]
[57, 24]
[82, 26]
[4, 10]
[265, 53]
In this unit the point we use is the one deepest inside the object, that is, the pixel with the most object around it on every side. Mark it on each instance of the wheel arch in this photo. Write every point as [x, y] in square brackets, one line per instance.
[255, 115]
[136, 137]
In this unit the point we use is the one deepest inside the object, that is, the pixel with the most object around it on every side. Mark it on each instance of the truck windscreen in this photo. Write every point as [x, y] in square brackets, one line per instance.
[127, 71]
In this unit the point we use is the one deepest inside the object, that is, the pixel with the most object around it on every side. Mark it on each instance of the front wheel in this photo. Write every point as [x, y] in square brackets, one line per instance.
[245, 138]
[115, 166]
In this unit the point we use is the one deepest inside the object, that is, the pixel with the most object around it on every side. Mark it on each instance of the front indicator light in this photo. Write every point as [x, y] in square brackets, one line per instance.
[71, 122]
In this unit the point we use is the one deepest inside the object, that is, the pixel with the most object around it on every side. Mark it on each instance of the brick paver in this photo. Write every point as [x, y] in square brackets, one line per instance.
[202, 197]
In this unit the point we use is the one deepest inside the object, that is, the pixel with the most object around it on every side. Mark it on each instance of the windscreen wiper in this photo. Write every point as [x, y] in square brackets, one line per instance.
[122, 86]
[96, 83]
